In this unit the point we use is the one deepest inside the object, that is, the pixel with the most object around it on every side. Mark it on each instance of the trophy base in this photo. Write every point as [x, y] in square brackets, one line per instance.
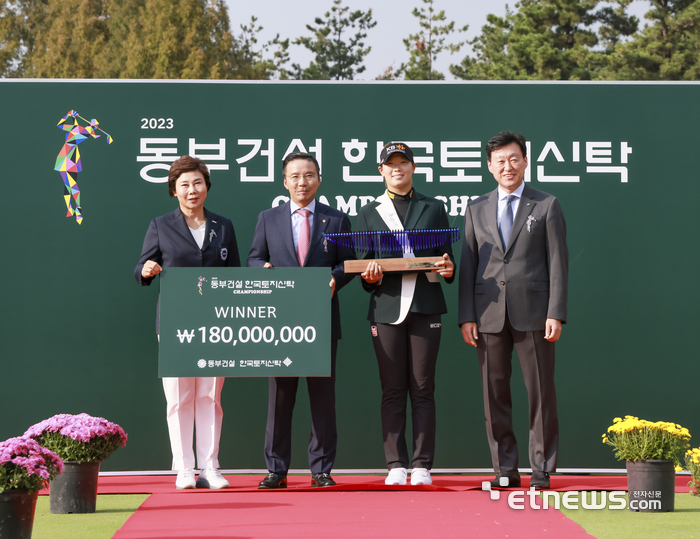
[389, 265]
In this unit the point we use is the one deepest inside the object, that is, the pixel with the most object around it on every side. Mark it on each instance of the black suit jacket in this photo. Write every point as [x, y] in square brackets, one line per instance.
[423, 213]
[273, 242]
[169, 242]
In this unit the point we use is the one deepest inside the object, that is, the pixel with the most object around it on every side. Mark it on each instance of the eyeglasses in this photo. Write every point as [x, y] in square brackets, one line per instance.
[296, 178]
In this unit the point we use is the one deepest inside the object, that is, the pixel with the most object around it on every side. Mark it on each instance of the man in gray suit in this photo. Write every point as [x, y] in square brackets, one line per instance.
[512, 292]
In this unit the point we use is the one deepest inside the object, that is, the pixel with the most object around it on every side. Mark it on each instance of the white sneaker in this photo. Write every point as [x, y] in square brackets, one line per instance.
[185, 478]
[421, 476]
[211, 478]
[397, 476]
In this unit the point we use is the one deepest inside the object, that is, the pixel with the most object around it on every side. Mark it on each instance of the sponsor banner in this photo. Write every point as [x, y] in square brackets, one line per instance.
[245, 322]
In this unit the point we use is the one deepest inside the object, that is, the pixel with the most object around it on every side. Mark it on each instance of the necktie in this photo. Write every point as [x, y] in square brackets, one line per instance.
[304, 236]
[507, 221]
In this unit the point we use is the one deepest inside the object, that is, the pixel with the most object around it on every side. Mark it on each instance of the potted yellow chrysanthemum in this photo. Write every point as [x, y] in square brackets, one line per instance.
[692, 464]
[652, 452]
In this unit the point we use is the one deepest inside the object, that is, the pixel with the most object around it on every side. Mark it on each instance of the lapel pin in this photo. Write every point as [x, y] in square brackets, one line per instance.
[212, 234]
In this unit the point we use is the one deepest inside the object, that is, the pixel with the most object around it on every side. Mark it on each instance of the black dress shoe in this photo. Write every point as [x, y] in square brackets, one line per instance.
[274, 480]
[322, 480]
[539, 480]
[513, 480]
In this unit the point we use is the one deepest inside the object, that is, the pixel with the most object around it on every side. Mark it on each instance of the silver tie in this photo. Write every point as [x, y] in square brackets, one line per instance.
[507, 221]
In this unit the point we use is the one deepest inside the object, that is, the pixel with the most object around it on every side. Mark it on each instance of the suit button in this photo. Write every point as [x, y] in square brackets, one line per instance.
[199, 255]
[503, 283]
[505, 261]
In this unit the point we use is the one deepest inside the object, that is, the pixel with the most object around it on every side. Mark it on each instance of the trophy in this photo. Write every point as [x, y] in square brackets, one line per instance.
[398, 242]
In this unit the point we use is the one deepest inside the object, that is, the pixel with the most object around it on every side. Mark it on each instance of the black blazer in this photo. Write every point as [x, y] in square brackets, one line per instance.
[169, 242]
[273, 242]
[423, 213]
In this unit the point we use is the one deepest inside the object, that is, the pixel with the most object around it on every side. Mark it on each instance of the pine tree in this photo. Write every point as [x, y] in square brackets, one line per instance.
[335, 58]
[430, 41]
[666, 49]
[547, 40]
[252, 61]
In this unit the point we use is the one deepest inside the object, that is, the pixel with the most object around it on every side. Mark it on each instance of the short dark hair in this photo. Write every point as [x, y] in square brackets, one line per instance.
[503, 139]
[300, 155]
[186, 164]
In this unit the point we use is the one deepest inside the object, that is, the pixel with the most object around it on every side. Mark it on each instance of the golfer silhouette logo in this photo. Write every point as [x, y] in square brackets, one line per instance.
[68, 160]
[199, 284]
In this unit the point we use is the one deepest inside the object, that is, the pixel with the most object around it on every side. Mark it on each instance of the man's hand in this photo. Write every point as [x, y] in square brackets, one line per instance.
[469, 333]
[267, 265]
[332, 285]
[445, 266]
[552, 329]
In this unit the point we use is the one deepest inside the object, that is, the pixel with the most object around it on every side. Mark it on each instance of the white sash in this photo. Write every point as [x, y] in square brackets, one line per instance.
[387, 212]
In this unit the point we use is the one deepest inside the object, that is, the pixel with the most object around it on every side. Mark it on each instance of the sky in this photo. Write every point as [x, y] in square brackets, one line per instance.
[289, 18]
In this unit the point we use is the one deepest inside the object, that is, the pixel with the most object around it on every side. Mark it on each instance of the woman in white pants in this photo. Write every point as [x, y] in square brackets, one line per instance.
[190, 236]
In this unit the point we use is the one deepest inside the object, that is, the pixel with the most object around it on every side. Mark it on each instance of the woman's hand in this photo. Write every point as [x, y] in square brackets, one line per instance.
[150, 269]
[373, 273]
[446, 267]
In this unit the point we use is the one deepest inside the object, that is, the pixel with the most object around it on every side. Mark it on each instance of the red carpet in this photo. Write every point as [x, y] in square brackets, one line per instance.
[341, 514]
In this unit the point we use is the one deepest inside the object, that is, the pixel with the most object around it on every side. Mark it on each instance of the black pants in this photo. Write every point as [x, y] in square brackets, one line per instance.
[323, 442]
[536, 357]
[406, 354]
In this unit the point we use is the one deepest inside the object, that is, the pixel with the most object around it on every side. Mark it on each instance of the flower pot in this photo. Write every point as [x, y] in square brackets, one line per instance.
[75, 490]
[17, 508]
[651, 485]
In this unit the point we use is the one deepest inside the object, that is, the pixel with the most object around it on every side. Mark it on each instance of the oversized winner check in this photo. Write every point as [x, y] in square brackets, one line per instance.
[245, 322]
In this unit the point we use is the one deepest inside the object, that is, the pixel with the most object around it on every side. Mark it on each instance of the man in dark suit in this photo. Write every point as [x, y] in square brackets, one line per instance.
[512, 292]
[291, 235]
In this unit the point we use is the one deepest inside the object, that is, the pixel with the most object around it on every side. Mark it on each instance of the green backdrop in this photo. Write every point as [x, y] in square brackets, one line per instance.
[77, 332]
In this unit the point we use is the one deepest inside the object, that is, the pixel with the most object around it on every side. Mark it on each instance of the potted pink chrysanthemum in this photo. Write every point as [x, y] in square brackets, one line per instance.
[25, 468]
[83, 442]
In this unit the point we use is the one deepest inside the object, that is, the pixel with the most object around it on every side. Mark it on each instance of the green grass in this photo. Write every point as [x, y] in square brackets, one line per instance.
[683, 523]
[110, 515]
